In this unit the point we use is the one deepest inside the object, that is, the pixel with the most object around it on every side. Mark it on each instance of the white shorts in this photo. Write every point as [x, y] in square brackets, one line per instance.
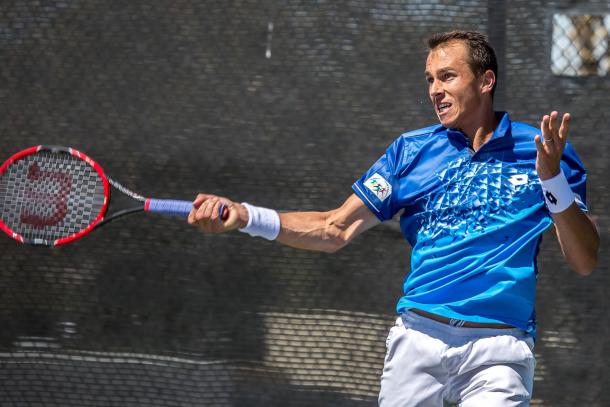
[432, 364]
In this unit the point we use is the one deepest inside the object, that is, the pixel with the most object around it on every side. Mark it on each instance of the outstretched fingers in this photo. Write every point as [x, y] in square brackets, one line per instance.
[553, 128]
[539, 145]
[554, 134]
[563, 130]
[551, 143]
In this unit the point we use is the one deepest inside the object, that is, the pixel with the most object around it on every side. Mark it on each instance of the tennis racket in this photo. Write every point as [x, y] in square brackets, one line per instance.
[53, 195]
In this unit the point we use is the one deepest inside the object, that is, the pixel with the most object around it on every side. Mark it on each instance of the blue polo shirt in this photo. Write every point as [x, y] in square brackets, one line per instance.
[473, 219]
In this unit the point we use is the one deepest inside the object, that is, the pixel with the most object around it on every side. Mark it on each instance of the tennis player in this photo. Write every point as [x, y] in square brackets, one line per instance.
[474, 194]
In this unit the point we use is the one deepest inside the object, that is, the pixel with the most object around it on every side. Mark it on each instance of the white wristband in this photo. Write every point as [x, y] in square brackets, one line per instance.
[557, 193]
[262, 222]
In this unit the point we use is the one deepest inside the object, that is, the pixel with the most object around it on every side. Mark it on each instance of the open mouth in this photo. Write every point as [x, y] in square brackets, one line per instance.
[441, 108]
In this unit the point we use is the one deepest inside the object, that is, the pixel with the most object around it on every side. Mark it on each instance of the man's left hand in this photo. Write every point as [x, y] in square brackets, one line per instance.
[549, 152]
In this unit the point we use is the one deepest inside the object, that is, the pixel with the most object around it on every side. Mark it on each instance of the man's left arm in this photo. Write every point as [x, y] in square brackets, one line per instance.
[576, 231]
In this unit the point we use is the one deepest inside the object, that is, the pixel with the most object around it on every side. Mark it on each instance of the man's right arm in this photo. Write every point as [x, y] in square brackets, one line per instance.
[322, 231]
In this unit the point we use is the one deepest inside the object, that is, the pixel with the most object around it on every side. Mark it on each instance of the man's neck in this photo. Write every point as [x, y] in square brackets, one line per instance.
[482, 129]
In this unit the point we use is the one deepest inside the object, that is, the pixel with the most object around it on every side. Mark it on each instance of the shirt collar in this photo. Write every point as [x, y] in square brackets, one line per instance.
[502, 130]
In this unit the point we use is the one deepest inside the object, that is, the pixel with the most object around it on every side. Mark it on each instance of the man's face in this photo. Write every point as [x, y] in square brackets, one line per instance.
[454, 89]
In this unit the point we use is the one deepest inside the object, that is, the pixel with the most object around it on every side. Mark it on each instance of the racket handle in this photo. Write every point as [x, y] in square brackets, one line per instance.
[168, 207]
[223, 212]
[178, 208]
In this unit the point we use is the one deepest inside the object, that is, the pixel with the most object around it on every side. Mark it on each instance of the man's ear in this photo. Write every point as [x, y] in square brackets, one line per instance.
[489, 80]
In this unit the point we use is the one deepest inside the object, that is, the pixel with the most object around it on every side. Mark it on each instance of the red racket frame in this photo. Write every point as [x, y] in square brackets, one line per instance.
[74, 153]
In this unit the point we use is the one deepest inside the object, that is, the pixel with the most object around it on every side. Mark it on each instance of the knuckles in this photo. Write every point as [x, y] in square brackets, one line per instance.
[204, 214]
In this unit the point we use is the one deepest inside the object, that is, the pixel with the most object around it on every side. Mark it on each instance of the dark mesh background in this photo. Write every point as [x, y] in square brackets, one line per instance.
[176, 97]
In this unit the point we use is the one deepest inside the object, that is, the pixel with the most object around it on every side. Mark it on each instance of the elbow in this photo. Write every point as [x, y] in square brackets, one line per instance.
[585, 261]
[585, 266]
[335, 237]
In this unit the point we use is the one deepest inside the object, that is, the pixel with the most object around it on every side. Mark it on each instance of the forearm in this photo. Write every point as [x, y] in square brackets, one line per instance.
[326, 231]
[578, 239]
[312, 231]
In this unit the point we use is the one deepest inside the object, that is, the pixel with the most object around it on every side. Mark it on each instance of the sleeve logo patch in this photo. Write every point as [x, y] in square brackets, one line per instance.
[379, 186]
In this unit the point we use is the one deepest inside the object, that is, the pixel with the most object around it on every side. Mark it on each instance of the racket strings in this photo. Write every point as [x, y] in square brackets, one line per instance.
[50, 195]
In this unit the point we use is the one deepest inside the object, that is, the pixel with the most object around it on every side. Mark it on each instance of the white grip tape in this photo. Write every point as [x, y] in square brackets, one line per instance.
[557, 193]
[262, 222]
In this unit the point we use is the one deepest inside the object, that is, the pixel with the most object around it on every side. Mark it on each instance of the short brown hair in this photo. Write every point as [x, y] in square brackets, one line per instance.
[481, 54]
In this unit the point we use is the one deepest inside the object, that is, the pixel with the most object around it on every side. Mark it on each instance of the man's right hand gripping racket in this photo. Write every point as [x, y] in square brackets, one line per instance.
[51, 195]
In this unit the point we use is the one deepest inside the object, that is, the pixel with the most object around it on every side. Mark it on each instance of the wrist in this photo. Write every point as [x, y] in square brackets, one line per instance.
[243, 216]
[546, 175]
[557, 193]
[261, 222]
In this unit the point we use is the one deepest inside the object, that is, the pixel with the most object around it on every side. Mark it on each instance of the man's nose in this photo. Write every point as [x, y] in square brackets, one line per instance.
[436, 89]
